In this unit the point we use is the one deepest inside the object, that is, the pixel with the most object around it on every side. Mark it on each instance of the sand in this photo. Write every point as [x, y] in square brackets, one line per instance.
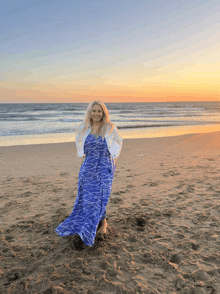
[163, 218]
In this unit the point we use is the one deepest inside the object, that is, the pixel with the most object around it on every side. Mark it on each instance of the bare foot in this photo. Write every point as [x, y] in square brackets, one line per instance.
[103, 226]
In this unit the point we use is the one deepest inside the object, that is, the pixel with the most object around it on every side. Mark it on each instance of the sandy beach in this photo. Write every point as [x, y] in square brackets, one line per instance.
[163, 218]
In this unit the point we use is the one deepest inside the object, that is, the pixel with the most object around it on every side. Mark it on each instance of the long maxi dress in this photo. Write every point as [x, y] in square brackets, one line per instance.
[94, 188]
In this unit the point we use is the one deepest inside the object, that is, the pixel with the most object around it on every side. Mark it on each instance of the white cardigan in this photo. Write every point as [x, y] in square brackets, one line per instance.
[113, 140]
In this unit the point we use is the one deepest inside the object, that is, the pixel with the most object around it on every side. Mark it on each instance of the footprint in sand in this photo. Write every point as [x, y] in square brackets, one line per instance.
[190, 188]
[171, 174]
[195, 246]
[9, 179]
[151, 184]
[144, 202]
[200, 275]
[141, 221]
[38, 215]
[210, 159]
[119, 192]
[63, 174]
[181, 185]
[130, 186]
[27, 194]
[27, 180]
[9, 238]
[56, 190]
[145, 184]
[11, 203]
[176, 258]
[138, 220]
[13, 275]
[116, 200]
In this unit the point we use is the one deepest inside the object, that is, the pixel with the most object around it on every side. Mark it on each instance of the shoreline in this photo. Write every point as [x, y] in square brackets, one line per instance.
[140, 133]
[34, 145]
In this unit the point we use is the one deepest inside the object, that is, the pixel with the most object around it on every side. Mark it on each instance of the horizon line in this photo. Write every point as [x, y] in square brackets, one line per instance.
[104, 102]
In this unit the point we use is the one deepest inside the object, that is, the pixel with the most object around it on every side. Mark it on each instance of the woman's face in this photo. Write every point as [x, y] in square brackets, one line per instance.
[96, 113]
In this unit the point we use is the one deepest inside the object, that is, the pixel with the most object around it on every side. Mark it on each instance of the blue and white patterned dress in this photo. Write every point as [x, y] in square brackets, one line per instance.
[94, 188]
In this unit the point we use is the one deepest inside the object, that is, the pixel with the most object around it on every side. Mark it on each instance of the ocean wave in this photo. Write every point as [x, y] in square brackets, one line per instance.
[70, 120]
[19, 119]
[36, 132]
[146, 126]
[70, 109]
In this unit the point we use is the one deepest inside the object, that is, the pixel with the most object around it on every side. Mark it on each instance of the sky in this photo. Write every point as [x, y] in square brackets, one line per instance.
[114, 51]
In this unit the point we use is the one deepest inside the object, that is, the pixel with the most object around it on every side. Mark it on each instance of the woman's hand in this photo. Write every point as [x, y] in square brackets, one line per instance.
[82, 159]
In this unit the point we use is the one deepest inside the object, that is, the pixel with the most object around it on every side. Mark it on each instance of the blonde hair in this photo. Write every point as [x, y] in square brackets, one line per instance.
[105, 121]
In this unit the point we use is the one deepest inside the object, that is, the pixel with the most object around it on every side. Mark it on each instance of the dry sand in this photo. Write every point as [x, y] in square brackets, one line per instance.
[163, 220]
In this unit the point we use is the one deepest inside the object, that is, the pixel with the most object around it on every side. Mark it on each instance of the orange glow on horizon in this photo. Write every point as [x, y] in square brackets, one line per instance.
[157, 94]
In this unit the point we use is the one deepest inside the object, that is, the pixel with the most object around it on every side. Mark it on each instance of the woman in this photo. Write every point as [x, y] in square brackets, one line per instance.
[99, 142]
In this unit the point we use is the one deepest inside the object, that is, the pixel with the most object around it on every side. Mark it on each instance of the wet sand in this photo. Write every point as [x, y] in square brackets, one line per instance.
[163, 216]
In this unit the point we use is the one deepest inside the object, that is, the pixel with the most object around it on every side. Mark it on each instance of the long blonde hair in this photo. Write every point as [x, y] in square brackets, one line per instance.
[105, 121]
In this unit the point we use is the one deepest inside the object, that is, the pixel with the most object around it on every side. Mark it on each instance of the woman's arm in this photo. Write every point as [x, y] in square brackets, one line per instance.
[78, 140]
[118, 140]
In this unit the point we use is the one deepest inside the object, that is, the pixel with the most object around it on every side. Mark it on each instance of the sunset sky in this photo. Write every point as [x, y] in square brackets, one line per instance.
[115, 51]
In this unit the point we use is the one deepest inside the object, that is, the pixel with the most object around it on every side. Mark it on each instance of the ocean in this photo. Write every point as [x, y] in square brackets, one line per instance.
[41, 123]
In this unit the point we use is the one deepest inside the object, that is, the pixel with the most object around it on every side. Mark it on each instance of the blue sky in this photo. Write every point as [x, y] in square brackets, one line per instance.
[86, 47]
